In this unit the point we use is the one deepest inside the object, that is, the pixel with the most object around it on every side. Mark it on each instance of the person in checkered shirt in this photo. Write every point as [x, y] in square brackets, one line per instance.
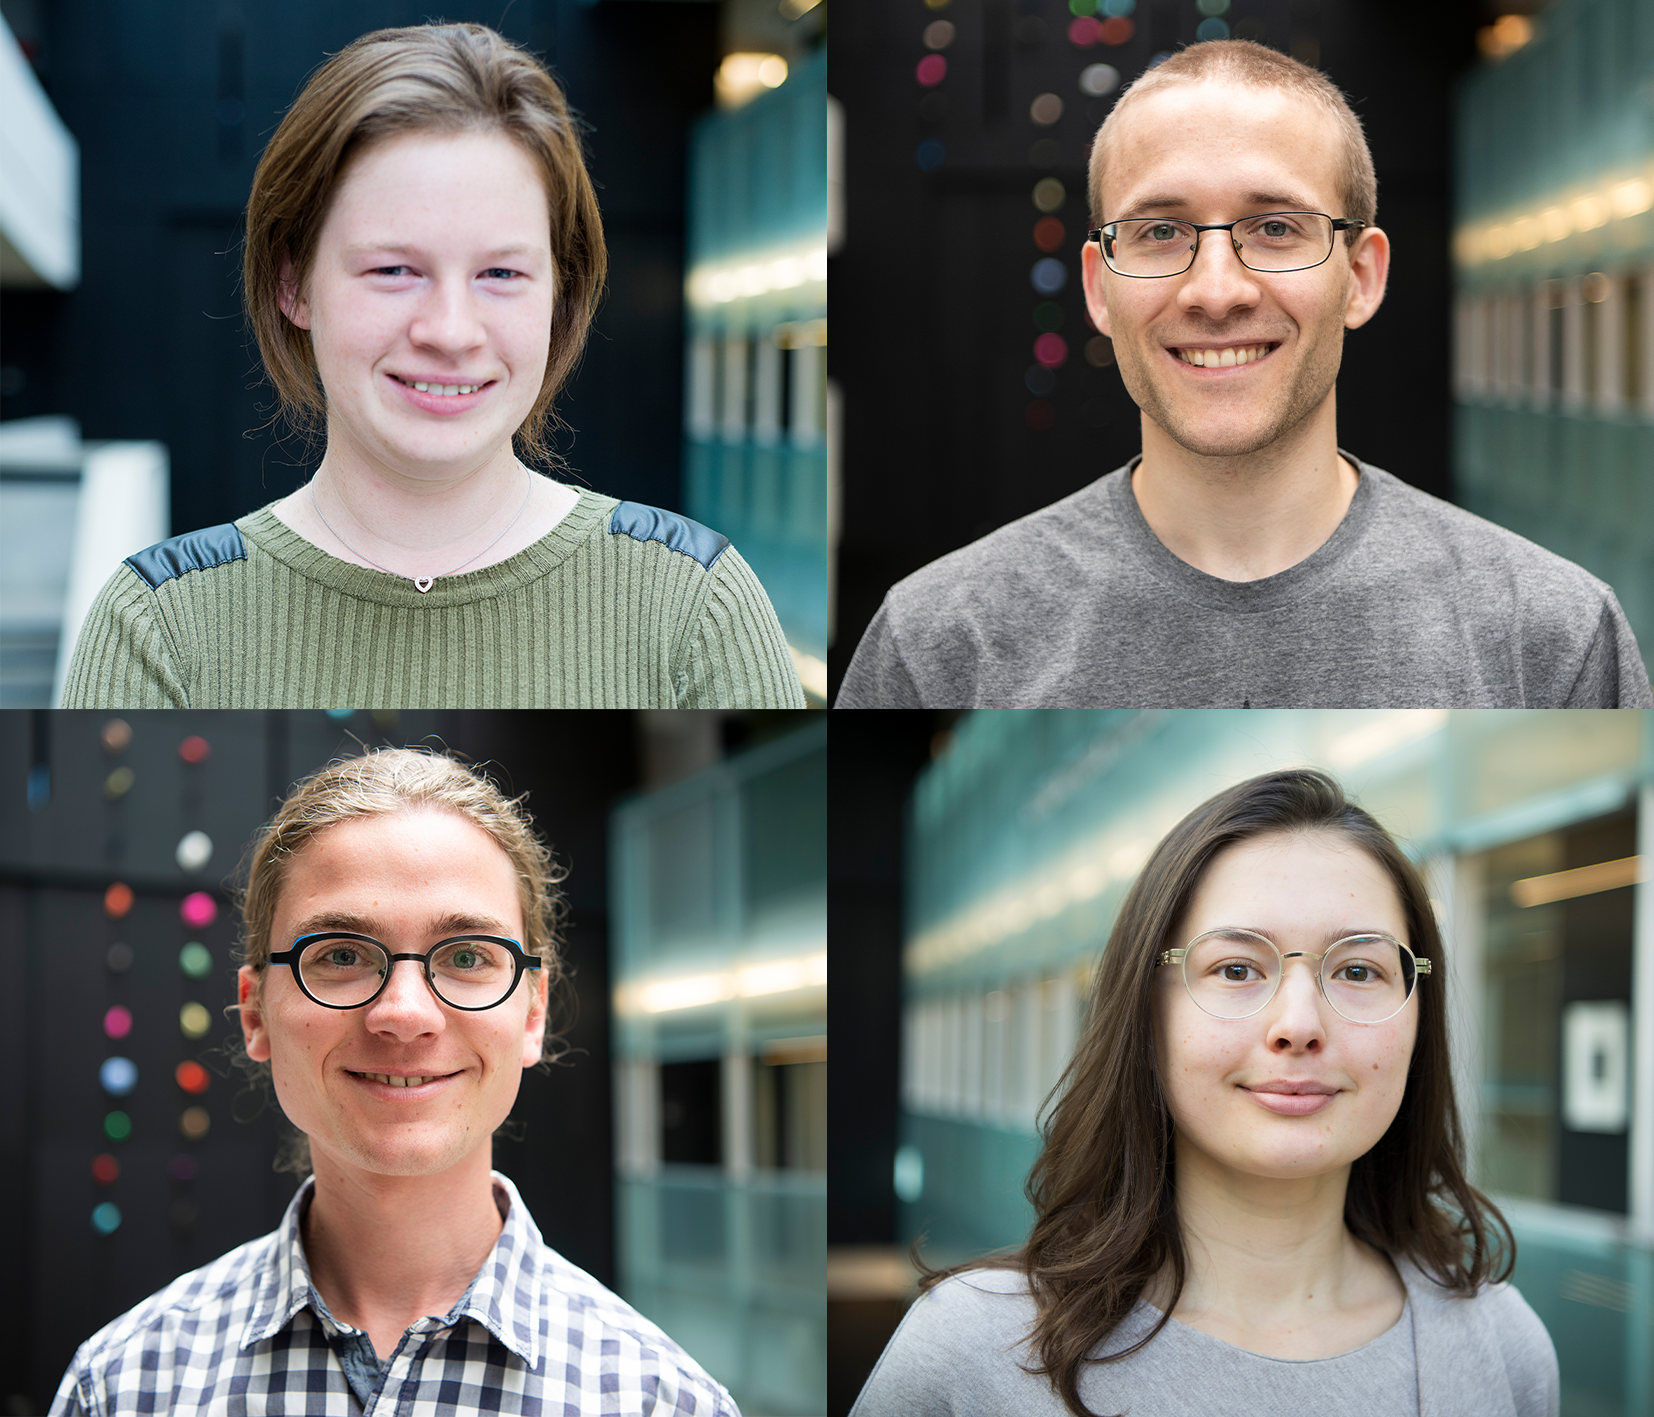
[401, 928]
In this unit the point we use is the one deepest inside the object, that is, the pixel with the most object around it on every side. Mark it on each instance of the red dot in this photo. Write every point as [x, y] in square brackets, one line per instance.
[194, 749]
[1116, 31]
[1051, 351]
[117, 900]
[1085, 32]
[117, 1023]
[192, 1077]
[933, 68]
[105, 1169]
[1049, 233]
[1041, 415]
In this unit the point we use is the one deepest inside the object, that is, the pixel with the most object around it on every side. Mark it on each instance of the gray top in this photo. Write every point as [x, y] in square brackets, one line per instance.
[1410, 603]
[960, 1353]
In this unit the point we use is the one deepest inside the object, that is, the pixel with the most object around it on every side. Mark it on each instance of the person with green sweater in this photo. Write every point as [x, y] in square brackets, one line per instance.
[424, 254]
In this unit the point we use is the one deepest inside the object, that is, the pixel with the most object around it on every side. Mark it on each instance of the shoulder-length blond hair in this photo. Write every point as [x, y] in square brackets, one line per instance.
[1105, 1186]
[435, 79]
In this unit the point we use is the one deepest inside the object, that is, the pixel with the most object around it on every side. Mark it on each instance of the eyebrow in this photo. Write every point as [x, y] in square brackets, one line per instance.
[1343, 932]
[393, 249]
[439, 927]
[1262, 201]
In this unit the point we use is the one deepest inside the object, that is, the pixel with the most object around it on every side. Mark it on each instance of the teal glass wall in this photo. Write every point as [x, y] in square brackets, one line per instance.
[720, 1022]
[1529, 828]
[755, 407]
[1554, 259]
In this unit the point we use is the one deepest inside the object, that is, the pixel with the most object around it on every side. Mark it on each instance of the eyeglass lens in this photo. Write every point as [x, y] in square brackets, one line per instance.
[1367, 978]
[469, 974]
[1275, 241]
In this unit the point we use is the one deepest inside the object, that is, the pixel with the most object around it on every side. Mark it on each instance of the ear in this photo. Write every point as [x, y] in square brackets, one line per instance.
[534, 1026]
[254, 1032]
[293, 305]
[1091, 277]
[1369, 270]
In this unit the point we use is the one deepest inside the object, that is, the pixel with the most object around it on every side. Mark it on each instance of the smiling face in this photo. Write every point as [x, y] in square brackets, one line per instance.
[409, 879]
[433, 267]
[1304, 891]
[1215, 152]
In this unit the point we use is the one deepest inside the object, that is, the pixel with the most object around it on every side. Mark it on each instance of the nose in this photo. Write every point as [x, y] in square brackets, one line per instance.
[407, 1008]
[447, 318]
[1217, 283]
[1296, 1021]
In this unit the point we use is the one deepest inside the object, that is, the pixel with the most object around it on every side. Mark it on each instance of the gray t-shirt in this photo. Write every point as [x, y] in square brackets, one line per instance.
[1410, 603]
[960, 1352]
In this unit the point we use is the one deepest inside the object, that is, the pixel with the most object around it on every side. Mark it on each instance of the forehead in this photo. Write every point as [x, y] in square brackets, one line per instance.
[1210, 147]
[1319, 881]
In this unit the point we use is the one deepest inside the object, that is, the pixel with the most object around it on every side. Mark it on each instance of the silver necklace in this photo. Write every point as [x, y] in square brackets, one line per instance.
[421, 583]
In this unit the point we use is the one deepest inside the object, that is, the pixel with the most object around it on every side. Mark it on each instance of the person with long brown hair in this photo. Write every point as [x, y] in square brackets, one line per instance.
[423, 259]
[1252, 1192]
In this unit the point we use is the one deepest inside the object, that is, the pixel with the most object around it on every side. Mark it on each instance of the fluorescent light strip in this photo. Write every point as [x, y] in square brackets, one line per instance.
[1582, 880]
[1554, 220]
[757, 273]
[694, 991]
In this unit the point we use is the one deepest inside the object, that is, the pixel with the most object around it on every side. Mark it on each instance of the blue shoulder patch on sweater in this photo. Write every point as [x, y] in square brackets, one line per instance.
[641, 523]
[194, 551]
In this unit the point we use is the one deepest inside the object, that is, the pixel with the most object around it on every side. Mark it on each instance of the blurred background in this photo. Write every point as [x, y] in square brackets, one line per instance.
[132, 402]
[1511, 368]
[677, 1154]
[976, 864]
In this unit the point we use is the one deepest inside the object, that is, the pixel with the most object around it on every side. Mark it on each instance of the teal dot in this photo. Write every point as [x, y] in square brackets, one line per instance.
[117, 1126]
[1212, 29]
[339, 714]
[106, 1219]
[1116, 9]
[195, 960]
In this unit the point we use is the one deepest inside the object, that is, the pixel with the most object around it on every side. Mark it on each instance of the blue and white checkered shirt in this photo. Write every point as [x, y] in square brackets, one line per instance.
[248, 1333]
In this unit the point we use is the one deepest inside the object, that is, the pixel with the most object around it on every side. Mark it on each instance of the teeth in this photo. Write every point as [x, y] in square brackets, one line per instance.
[1223, 358]
[390, 1081]
[446, 389]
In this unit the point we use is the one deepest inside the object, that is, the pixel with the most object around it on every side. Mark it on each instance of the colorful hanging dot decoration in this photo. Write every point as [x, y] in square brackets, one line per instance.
[118, 1076]
[931, 70]
[116, 734]
[117, 1126]
[194, 850]
[118, 784]
[117, 1022]
[198, 910]
[119, 958]
[194, 1020]
[1051, 350]
[192, 1077]
[106, 1218]
[117, 900]
[195, 959]
[105, 1169]
[195, 1123]
[183, 1167]
[195, 750]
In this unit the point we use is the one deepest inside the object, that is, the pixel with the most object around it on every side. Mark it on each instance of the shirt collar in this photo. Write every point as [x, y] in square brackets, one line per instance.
[504, 1298]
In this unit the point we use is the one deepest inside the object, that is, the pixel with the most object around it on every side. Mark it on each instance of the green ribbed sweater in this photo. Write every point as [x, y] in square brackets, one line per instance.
[618, 606]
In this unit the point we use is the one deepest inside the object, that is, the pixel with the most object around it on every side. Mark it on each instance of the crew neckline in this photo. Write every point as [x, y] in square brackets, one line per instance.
[1393, 1332]
[1247, 597]
[273, 537]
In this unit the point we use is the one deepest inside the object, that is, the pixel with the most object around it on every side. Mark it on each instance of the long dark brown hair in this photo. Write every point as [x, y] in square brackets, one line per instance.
[1104, 1188]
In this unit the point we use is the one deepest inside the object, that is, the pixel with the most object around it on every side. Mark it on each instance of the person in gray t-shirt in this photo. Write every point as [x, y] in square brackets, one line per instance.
[1251, 1195]
[1243, 559]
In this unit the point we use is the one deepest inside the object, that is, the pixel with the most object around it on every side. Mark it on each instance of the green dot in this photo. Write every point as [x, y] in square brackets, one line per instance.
[1212, 7]
[1048, 316]
[1083, 7]
[195, 960]
[117, 1126]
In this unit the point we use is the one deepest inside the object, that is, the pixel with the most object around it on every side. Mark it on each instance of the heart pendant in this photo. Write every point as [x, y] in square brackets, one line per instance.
[423, 583]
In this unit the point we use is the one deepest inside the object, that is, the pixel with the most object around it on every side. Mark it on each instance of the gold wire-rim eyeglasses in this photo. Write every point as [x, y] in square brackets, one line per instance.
[1179, 956]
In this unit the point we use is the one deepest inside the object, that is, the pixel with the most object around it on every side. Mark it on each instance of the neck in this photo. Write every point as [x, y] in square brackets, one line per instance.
[386, 1251]
[1250, 515]
[1272, 1268]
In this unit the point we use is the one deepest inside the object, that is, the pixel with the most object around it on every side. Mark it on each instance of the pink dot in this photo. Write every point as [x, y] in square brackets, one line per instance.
[117, 1023]
[1051, 351]
[933, 68]
[198, 910]
[1084, 32]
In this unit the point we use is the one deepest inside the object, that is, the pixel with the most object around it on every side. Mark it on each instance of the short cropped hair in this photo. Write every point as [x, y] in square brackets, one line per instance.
[380, 783]
[429, 79]
[1239, 61]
